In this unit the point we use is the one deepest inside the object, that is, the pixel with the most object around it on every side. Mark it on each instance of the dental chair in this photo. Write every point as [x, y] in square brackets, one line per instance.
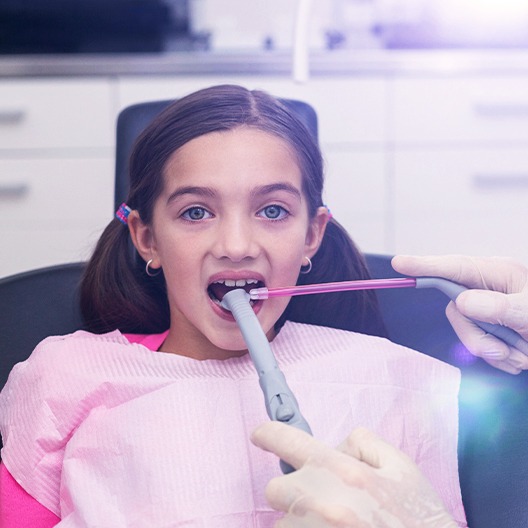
[493, 444]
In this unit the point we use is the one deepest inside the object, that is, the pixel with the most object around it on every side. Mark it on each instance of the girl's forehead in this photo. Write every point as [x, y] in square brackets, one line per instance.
[243, 152]
[235, 139]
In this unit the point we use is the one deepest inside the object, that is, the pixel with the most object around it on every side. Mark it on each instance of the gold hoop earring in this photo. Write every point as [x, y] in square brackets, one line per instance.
[147, 269]
[308, 267]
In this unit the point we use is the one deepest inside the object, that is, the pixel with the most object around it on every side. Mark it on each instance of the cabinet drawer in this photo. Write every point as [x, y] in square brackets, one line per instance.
[450, 110]
[56, 113]
[55, 192]
[452, 201]
[29, 249]
[52, 211]
[349, 110]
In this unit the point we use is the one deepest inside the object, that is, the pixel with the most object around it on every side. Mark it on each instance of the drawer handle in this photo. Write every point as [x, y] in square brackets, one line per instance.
[16, 190]
[501, 110]
[501, 181]
[10, 116]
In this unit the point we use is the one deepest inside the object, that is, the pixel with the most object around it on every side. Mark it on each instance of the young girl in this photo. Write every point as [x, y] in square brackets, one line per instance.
[145, 420]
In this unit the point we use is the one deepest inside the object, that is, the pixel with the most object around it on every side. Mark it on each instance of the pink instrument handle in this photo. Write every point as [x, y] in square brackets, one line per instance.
[329, 287]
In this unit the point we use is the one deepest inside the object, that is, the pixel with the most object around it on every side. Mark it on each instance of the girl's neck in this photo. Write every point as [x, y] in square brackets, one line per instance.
[199, 349]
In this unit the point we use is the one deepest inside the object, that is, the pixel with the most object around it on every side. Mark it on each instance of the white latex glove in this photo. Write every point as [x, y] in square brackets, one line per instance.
[363, 483]
[501, 297]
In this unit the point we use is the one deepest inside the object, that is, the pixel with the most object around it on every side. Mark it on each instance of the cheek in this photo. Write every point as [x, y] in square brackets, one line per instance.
[180, 266]
[289, 255]
[177, 249]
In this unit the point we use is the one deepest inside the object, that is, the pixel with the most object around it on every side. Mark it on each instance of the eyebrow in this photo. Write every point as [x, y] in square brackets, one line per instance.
[259, 191]
[200, 191]
[273, 187]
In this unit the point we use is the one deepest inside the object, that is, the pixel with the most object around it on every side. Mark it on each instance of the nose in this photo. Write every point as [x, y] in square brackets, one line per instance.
[236, 239]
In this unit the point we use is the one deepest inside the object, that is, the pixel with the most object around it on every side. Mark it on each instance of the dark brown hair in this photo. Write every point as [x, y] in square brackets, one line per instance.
[116, 293]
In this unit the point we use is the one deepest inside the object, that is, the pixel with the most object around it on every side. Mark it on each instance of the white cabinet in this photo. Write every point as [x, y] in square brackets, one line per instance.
[57, 211]
[461, 110]
[55, 113]
[414, 163]
[352, 117]
[357, 194]
[459, 165]
[461, 200]
[56, 169]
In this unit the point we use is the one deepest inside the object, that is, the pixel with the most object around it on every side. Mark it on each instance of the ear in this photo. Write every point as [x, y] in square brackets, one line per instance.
[316, 231]
[143, 238]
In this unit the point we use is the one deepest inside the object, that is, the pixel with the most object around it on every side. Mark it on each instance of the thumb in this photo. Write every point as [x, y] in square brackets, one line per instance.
[369, 448]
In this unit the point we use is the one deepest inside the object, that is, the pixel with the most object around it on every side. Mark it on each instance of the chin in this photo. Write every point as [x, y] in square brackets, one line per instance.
[230, 343]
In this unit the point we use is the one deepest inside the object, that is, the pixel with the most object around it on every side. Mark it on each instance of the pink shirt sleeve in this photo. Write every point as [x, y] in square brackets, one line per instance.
[18, 509]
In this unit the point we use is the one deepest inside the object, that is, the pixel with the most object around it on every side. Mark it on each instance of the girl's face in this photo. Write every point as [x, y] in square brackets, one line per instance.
[232, 209]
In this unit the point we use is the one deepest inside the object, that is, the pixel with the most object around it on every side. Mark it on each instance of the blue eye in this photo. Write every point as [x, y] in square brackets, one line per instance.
[274, 212]
[196, 213]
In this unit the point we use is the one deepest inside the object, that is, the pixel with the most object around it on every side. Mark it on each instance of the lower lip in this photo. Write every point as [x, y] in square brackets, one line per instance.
[227, 315]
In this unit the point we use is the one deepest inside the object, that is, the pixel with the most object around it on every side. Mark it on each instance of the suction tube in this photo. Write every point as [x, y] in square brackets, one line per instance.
[449, 288]
[280, 401]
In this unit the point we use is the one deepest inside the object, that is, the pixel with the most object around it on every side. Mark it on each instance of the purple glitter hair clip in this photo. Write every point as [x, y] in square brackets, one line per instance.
[122, 213]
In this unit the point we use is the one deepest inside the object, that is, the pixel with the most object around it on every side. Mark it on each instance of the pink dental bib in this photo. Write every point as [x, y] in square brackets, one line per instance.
[109, 434]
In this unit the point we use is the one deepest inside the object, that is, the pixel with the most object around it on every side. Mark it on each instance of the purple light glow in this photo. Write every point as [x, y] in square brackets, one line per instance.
[461, 356]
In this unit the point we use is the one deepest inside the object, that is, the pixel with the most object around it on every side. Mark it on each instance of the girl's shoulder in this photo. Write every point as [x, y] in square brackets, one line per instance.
[55, 355]
[80, 339]
[78, 360]
[62, 350]
[83, 341]
[48, 397]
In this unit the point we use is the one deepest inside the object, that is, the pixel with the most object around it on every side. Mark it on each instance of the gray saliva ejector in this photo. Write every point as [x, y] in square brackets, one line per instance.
[281, 404]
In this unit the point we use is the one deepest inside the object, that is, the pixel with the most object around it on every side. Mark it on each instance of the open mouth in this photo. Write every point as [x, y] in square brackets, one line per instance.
[219, 288]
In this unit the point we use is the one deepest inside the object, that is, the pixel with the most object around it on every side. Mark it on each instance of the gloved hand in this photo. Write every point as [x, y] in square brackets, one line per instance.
[505, 302]
[364, 482]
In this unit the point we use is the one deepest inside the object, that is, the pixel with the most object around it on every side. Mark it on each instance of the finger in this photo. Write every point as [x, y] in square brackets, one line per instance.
[281, 492]
[476, 340]
[342, 517]
[290, 522]
[289, 443]
[503, 365]
[493, 350]
[498, 308]
[489, 348]
[327, 489]
[367, 447]
[492, 273]
[512, 364]
[324, 513]
[458, 268]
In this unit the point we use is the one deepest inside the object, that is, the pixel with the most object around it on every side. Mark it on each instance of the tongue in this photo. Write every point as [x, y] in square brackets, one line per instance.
[219, 289]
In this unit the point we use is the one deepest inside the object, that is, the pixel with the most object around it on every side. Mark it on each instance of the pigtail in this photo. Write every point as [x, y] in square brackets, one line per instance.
[338, 259]
[116, 293]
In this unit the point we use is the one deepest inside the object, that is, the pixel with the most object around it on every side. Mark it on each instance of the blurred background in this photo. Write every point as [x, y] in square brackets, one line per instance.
[422, 106]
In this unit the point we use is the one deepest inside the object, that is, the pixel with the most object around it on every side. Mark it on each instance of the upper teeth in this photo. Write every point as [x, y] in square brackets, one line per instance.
[240, 283]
